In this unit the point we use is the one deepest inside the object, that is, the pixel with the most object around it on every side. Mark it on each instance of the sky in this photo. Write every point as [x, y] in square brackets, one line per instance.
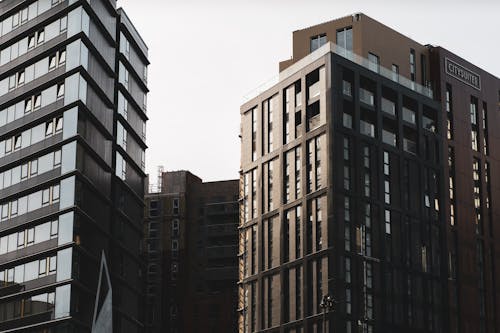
[207, 55]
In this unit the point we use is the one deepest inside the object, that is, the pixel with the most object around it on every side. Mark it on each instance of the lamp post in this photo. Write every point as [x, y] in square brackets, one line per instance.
[326, 304]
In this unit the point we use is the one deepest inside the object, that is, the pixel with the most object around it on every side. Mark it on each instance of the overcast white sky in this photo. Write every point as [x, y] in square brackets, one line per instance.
[207, 54]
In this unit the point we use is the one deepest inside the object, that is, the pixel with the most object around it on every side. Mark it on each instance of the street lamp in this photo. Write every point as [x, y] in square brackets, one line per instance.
[327, 303]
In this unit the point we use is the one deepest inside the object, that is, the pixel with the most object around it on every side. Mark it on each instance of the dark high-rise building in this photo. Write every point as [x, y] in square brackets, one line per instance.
[368, 188]
[191, 244]
[72, 119]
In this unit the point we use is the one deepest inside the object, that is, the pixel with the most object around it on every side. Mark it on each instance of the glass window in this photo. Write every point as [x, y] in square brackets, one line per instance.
[62, 57]
[31, 41]
[42, 232]
[55, 193]
[42, 267]
[344, 38]
[38, 101]
[34, 167]
[13, 208]
[57, 158]
[31, 271]
[52, 61]
[60, 90]
[30, 236]
[20, 239]
[317, 42]
[52, 264]
[54, 226]
[373, 62]
[45, 196]
[41, 37]
[49, 128]
[28, 105]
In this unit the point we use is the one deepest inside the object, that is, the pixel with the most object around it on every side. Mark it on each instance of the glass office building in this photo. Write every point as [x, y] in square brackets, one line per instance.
[73, 85]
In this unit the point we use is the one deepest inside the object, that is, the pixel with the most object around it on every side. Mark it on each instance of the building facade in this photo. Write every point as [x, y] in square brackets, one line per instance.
[72, 120]
[349, 188]
[191, 243]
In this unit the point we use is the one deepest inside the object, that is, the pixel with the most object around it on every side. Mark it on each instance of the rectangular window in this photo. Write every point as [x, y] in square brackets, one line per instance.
[345, 40]
[373, 62]
[175, 206]
[413, 66]
[395, 73]
[317, 41]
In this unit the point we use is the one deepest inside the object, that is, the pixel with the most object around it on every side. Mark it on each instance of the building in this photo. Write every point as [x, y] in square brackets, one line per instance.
[369, 176]
[191, 244]
[72, 119]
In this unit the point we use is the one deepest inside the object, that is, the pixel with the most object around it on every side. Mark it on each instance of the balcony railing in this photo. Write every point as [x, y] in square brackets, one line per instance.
[334, 48]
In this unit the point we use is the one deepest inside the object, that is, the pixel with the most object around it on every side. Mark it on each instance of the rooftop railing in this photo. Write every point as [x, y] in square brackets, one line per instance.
[349, 55]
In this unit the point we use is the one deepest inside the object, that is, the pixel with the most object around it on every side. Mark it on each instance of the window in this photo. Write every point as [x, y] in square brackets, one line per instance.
[412, 65]
[41, 37]
[387, 192]
[52, 61]
[60, 90]
[347, 88]
[28, 105]
[38, 101]
[175, 206]
[409, 115]
[20, 78]
[317, 42]
[387, 217]
[31, 41]
[373, 62]
[366, 96]
[344, 39]
[395, 73]
[388, 106]
[367, 128]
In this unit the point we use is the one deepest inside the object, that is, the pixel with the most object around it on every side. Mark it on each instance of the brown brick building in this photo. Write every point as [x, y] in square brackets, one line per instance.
[191, 230]
[369, 175]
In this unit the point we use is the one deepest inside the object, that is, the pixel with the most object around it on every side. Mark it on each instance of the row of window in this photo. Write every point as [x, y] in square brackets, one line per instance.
[367, 127]
[29, 271]
[32, 72]
[292, 178]
[30, 202]
[291, 114]
[31, 136]
[26, 14]
[38, 304]
[123, 110]
[124, 78]
[31, 104]
[34, 40]
[125, 49]
[30, 169]
[389, 107]
[28, 237]
[293, 247]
